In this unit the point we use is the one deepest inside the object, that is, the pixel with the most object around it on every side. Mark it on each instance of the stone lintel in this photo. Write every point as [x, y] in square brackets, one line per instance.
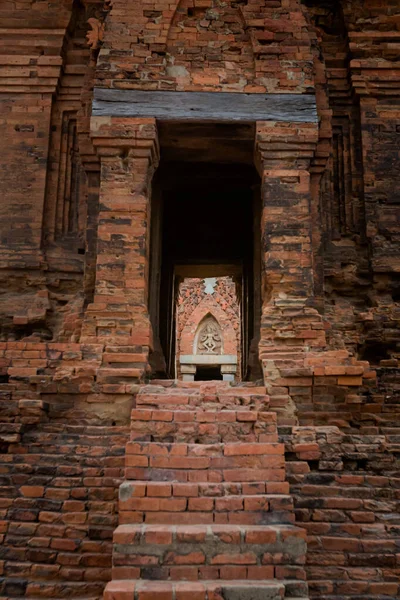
[208, 359]
[205, 106]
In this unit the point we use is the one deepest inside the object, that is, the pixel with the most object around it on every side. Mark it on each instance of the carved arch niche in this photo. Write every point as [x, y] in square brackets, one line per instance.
[208, 341]
[209, 338]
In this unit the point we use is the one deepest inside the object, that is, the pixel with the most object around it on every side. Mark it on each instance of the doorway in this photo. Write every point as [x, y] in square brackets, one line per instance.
[205, 223]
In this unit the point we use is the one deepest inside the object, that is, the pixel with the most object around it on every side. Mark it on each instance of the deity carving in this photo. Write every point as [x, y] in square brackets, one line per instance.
[96, 14]
[209, 340]
[95, 36]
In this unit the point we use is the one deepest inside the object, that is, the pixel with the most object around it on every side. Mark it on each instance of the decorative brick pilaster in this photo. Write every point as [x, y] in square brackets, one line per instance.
[118, 317]
[298, 366]
[29, 78]
[375, 74]
[290, 325]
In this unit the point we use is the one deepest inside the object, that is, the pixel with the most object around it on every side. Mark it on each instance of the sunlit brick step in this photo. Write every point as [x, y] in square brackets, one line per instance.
[210, 551]
[201, 426]
[205, 590]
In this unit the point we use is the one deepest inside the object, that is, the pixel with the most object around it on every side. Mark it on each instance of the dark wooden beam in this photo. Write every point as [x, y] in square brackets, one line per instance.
[205, 106]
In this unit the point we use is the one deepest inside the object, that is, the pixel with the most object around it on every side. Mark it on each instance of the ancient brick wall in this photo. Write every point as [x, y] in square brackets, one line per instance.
[74, 330]
[346, 496]
[204, 46]
[59, 508]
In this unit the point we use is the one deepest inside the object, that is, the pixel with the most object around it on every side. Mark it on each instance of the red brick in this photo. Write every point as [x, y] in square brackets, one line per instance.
[193, 558]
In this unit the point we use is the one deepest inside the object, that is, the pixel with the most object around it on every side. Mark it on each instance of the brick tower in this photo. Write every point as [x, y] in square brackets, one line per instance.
[199, 299]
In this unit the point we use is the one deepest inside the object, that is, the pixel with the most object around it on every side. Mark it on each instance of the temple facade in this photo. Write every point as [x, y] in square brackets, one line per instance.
[200, 299]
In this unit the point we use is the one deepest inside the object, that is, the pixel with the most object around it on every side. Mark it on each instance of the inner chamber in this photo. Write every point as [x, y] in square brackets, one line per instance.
[205, 217]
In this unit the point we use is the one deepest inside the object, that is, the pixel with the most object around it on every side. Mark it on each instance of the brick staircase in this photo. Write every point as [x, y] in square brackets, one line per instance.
[205, 511]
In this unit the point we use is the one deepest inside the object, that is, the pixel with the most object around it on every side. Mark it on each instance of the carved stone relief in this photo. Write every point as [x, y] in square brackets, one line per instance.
[209, 338]
[95, 35]
[96, 14]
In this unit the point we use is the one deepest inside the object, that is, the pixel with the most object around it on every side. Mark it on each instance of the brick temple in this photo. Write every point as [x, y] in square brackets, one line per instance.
[200, 299]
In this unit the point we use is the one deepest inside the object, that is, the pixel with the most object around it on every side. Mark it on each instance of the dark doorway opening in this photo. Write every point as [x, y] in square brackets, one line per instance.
[208, 374]
[206, 213]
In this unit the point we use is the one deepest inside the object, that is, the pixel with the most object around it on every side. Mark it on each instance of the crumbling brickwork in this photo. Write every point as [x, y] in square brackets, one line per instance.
[207, 46]
[59, 510]
[89, 295]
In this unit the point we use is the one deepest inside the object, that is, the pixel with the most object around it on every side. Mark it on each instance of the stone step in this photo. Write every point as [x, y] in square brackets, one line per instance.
[236, 509]
[202, 426]
[161, 489]
[163, 552]
[194, 590]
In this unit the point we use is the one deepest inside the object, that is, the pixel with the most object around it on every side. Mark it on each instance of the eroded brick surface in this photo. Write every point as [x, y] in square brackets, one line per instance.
[78, 333]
